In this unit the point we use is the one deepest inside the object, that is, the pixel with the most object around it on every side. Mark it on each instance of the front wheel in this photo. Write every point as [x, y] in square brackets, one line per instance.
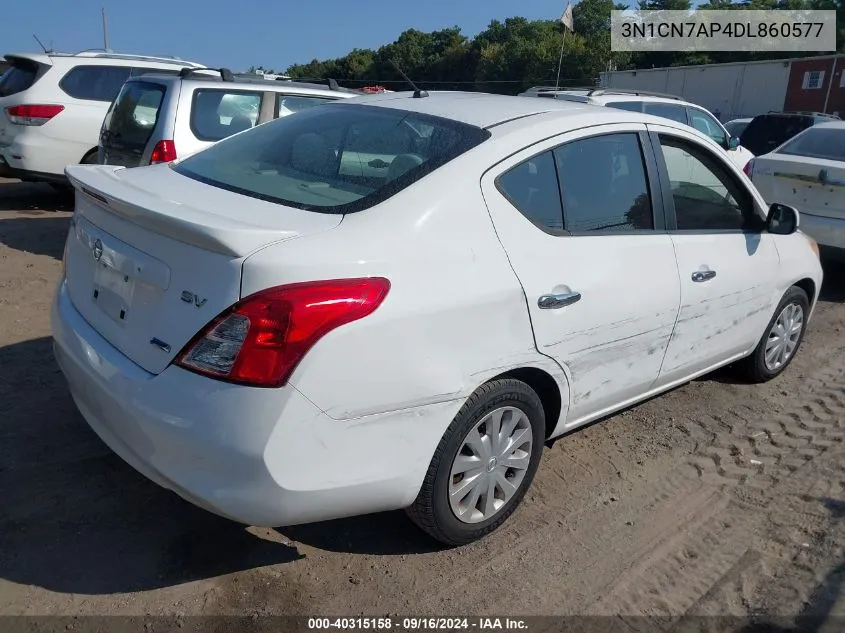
[782, 338]
[483, 465]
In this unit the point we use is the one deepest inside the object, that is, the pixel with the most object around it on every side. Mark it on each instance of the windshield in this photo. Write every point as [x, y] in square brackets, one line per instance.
[332, 159]
[818, 142]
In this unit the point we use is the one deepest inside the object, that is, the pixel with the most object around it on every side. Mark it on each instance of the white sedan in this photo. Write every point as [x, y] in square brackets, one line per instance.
[282, 341]
[808, 172]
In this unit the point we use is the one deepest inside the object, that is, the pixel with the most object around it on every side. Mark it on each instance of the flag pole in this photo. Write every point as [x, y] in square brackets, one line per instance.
[560, 61]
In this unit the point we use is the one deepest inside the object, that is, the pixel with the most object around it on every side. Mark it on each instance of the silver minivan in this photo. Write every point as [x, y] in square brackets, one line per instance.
[158, 118]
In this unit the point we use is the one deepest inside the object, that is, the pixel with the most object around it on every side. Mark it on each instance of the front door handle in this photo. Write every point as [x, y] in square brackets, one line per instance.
[703, 275]
[551, 302]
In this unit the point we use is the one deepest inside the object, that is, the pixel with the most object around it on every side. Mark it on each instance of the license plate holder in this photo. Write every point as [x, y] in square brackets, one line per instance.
[112, 292]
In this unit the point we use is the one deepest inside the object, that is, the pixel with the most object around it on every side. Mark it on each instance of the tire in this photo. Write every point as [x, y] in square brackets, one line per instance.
[61, 188]
[512, 402]
[754, 367]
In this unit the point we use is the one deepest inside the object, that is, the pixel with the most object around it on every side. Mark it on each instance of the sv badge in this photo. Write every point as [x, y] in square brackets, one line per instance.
[190, 297]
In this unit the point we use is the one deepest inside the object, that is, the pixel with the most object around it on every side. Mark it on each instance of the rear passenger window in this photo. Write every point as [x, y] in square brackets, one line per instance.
[603, 184]
[94, 83]
[667, 111]
[288, 104]
[217, 114]
[532, 188]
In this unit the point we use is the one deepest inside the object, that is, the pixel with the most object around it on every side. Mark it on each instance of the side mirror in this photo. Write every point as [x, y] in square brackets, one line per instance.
[782, 219]
[733, 142]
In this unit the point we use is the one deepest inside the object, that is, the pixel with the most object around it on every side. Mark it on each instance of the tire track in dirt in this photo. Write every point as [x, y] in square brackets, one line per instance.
[694, 535]
[755, 536]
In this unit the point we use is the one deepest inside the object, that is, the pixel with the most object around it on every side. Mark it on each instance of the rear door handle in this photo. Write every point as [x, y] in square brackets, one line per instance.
[703, 275]
[551, 302]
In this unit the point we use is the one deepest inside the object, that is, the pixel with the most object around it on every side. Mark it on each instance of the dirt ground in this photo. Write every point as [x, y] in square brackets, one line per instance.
[717, 498]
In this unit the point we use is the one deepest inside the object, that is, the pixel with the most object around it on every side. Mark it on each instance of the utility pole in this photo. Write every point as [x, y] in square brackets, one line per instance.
[105, 31]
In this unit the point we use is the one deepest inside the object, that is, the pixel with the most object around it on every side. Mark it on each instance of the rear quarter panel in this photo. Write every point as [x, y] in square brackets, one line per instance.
[455, 315]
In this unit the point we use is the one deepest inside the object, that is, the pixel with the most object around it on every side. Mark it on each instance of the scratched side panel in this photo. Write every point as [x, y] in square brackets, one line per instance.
[726, 315]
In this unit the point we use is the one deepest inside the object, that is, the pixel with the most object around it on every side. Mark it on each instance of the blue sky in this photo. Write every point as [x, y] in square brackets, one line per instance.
[240, 33]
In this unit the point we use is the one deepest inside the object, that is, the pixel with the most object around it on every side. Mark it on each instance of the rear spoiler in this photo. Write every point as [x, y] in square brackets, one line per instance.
[211, 232]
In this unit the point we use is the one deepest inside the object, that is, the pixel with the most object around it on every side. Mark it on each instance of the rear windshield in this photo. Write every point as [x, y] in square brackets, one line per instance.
[134, 113]
[766, 132]
[18, 78]
[216, 114]
[333, 159]
[818, 142]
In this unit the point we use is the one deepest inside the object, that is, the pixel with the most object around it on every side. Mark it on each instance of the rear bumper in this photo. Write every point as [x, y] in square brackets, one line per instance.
[828, 232]
[265, 457]
[6, 171]
[32, 155]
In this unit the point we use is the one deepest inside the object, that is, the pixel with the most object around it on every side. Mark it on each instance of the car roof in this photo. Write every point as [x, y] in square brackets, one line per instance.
[211, 78]
[474, 108]
[100, 56]
[836, 125]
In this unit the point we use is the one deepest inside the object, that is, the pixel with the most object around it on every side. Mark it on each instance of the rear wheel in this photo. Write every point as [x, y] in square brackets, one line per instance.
[783, 337]
[483, 465]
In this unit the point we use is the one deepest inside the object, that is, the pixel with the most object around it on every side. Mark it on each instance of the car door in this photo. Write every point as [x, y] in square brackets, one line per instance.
[727, 263]
[580, 218]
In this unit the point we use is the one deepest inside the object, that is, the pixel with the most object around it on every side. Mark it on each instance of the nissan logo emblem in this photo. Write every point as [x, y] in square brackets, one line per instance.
[98, 249]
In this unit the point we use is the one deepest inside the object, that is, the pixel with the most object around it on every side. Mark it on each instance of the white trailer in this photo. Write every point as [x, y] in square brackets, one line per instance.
[730, 91]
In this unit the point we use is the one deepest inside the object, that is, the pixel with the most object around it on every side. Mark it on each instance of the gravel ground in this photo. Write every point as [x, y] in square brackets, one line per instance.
[716, 499]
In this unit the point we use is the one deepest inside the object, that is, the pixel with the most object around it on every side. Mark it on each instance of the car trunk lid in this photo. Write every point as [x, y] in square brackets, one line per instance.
[153, 256]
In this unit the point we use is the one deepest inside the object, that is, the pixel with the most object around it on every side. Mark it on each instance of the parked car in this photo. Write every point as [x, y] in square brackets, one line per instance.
[657, 104]
[157, 118]
[808, 172]
[326, 315]
[53, 106]
[735, 127]
[765, 132]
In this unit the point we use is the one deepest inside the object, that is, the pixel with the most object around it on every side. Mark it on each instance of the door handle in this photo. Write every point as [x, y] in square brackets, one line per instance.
[703, 275]
[550, 302]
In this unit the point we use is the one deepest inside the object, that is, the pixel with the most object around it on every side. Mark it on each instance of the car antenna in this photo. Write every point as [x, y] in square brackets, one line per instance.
[418, 94]
[44, 48]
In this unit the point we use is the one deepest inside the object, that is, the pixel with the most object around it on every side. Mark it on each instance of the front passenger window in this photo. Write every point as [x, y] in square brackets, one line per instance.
[706, 197]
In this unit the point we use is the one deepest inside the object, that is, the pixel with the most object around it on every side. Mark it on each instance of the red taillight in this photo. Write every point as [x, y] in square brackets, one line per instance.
[261, 339]
[749, 168]
[32, 114]
[163, 152]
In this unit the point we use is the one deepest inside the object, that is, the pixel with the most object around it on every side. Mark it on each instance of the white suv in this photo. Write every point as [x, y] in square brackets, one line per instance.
[156, 118]
[52, 107]
[657, 104]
